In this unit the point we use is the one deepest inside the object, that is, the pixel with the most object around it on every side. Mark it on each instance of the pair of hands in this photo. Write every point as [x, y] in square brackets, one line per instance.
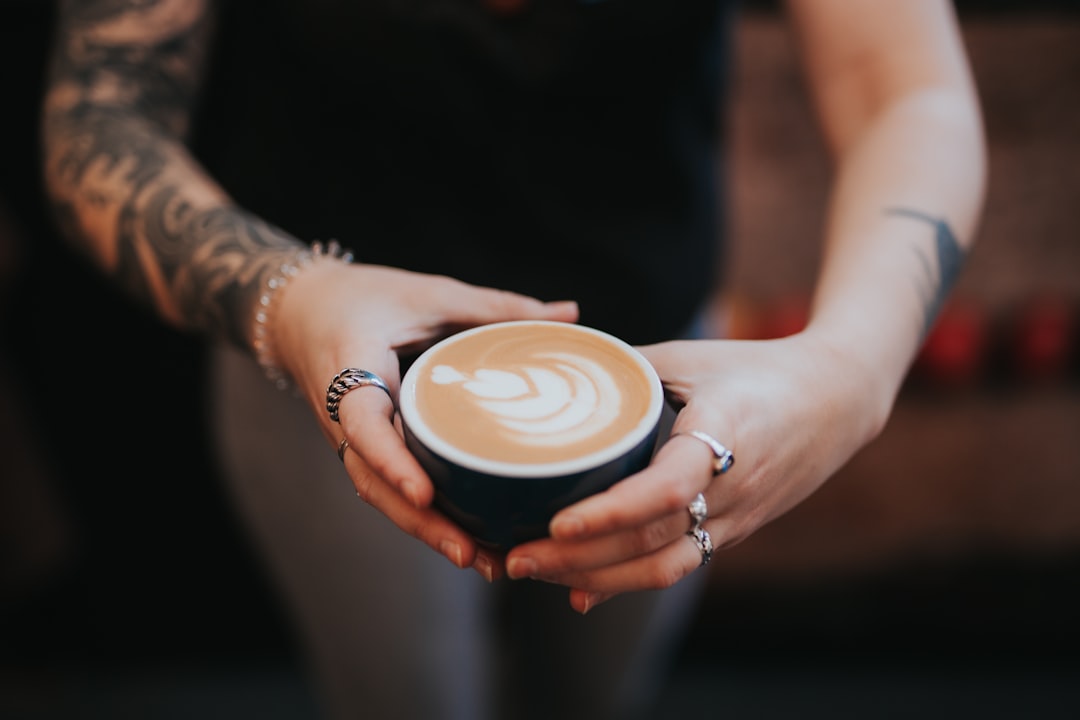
[790, 410]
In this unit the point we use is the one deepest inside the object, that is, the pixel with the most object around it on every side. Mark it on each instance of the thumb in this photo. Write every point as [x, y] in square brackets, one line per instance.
[563, 310]
[500, 305]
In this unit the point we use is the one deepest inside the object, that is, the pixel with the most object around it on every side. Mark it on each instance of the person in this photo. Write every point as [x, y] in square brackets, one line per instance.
[487, 161]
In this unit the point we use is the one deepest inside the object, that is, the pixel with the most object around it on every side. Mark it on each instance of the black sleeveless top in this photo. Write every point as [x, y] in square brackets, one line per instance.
[568, 149]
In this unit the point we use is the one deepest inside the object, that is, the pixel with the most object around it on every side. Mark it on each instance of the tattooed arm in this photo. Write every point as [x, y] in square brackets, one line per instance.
[124, 77]
[899, 111]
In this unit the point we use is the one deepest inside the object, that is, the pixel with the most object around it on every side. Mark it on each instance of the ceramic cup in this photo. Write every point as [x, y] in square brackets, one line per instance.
[514, 421]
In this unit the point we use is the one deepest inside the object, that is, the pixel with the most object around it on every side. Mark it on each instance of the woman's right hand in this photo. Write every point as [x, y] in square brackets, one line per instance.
[333, 316]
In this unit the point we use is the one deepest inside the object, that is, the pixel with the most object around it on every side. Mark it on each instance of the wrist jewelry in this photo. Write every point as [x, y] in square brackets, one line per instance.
[262, 337]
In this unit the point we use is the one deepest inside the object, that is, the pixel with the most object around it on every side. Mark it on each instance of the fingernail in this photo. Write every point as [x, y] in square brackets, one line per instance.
[567, 527]
[520, 567]
[483, 566]
[564, 307]
[452, 551]
[594, 599]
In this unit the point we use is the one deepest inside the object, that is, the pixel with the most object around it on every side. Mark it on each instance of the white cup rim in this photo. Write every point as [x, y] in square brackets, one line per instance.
[435, 444]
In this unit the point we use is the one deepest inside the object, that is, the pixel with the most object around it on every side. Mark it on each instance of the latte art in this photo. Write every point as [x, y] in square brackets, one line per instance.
[514, 421]
[530, 394]
[552, 405]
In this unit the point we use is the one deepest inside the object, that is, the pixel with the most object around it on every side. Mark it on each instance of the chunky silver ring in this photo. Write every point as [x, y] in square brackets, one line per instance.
[723, 458]
[699, 511]
[341, 448]
[350, 379]
[703, 540]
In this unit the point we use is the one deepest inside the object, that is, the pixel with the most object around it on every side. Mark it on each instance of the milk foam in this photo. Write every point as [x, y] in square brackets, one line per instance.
[542, 405]
[530, 398]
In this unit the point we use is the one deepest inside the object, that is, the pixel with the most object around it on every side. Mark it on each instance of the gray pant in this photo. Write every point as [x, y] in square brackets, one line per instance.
[391, 629]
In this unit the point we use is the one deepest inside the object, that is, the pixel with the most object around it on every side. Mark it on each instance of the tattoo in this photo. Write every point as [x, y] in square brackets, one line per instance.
[124, 79]
[950, 259]
[134, 56]
[214, 261]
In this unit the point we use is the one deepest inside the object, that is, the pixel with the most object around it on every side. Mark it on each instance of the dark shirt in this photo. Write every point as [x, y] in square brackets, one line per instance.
[568, 150]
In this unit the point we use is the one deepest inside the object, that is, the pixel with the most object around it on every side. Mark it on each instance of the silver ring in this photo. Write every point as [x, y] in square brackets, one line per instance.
[703, 540]
[723, 458]
[350, 379]
[341, 448]
[699, 511]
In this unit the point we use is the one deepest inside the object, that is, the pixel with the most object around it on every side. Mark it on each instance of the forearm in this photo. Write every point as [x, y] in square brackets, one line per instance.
[900, 115]
[124, 187]
[901, 220]
[136, 203]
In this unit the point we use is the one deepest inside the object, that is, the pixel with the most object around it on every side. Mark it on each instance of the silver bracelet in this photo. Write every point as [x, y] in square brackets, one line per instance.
[262, 338]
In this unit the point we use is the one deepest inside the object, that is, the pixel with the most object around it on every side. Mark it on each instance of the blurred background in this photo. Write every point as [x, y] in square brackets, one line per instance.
[937, 575]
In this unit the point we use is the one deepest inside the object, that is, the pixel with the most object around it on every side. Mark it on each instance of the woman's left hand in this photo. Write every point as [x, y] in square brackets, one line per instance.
[792, 410]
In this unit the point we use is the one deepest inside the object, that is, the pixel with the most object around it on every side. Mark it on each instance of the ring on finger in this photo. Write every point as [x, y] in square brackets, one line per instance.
[703, 540]
[341, 448]
[350, 379]
[699, 511]
[723, 458]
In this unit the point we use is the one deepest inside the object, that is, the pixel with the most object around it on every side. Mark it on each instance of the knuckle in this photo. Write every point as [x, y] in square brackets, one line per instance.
[363, 481]
[649, 537]
[379, 466]
[733, 534]
[672, 499]
[415, 527]
[664, 576]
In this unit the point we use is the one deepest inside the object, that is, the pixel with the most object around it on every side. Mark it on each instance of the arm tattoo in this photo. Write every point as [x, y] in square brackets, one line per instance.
[124, 78]
[142, 57]
[950, 258]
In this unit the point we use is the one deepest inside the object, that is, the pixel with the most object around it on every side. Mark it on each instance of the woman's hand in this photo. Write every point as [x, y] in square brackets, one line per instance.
[792, 410]
[334, 316]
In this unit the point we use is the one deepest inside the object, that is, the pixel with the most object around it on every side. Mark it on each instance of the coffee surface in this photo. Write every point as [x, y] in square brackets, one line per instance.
[532, 394]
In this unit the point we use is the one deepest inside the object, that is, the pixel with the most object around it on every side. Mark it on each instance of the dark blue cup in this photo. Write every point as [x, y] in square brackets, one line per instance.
[515, 421]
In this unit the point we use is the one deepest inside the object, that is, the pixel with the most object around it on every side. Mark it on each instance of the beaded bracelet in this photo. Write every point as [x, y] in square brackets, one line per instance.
[262, 339]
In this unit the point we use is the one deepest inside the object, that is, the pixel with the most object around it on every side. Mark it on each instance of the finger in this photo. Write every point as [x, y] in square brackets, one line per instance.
[664, 488]
[656, 571]
[366, 415]
[491, 565]
[425, 524]
[513, 307]
[505, 305]
[679, 357]
[545, 559]
[583, 601]
[486, 305]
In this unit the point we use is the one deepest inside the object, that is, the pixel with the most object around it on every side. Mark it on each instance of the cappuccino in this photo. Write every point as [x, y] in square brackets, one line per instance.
[530, 394]
[514, 421]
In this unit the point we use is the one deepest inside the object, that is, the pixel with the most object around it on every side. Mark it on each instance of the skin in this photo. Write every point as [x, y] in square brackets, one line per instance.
[897, 108]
